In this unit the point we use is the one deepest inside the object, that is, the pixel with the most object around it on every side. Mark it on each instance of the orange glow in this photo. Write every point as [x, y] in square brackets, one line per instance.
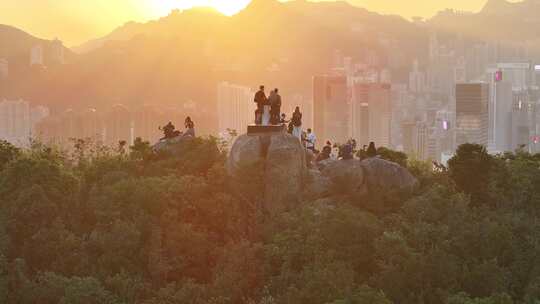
[227, 7]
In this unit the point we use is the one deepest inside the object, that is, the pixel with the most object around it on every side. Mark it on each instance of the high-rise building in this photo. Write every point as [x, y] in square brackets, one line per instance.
[57, 52]
[15, 123]
[147, 120]
[371, 113]
[472, 113]
[36, 55]
[236, 107]
[37, 114]
[417, 79]
[501, 117]
[331, 108]
[90, 126]
[4, 68]
[118, 126]
[380, 114]
[522, 108]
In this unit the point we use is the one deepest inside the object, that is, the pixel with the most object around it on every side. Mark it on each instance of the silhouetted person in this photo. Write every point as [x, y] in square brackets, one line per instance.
[325, 153]
[371, 151]
[297, 123]
[283, 120]
[261, 100]
[275, 106]
[190, 127]
[346, 151]
[168, 131]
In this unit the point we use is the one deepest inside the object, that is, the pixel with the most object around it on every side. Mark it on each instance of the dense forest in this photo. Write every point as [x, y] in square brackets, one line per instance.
[128, 225]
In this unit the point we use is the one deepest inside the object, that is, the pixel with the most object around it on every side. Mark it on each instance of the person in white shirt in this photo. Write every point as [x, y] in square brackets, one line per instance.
[311, 140]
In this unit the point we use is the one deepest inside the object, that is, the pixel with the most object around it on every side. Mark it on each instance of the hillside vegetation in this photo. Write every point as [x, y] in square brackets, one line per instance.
[128, 225]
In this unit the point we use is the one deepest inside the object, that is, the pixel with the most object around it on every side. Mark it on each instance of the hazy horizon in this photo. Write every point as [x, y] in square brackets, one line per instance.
[75, 22]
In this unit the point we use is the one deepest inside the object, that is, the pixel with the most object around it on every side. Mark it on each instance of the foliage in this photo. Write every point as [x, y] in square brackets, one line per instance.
[140, 226]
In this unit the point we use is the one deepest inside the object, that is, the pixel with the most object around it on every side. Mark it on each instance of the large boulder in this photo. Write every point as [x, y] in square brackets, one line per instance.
[371, 176]
[382, 175]
[347, 176]
[317, 185]
[282, 161]
[171, 145]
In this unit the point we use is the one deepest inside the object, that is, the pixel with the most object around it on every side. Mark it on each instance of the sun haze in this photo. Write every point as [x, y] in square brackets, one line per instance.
[76, 21]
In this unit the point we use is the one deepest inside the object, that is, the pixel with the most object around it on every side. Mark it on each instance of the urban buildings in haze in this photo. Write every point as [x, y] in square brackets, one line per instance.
[4, 68]
[18, 120]
[235, 107]
[472, 116]
[36, 55]
[331, 108]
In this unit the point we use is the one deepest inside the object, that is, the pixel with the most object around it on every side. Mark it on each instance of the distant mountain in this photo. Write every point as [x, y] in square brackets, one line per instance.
[15, 46]
[162, 27]
[499, 20]
[180, 58]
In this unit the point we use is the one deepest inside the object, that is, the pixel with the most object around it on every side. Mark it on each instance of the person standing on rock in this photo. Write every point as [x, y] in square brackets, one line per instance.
[297, 123]
[371, 150]
[261, 100]
[275, 107]
[190, 127]
[311, 139]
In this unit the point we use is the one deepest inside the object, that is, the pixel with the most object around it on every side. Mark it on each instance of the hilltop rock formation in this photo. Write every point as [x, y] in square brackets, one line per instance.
[370, 176]
[282, 161]
[383, 175]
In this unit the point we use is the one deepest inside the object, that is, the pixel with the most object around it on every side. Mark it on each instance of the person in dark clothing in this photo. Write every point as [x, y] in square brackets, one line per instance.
[297, 123]
[190, 127]
[346, 151]
[283, 120]
[261, 100]
[325, 153]
[371, 151]
[275, 107]
[168, 131]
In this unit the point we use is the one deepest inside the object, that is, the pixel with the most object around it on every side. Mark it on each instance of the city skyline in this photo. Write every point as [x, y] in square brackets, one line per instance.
[83, 26]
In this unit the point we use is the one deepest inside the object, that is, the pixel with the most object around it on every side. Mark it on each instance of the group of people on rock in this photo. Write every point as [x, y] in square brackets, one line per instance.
[169, 130]
[344, 152]
[268, 112]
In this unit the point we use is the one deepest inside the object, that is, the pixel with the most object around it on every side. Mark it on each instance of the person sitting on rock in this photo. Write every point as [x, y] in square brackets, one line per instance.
[190, 127]
[346, 151]
[168, 131]
[371, 150]
[283, 120]
[324, 154]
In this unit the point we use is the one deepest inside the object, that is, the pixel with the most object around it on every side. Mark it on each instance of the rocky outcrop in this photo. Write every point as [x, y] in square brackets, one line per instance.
[171, 145]
[370, 176]
[282, 161]
[383, 175]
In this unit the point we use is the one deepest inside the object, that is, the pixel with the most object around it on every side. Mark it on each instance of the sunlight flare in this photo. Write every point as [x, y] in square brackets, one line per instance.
[227, 7]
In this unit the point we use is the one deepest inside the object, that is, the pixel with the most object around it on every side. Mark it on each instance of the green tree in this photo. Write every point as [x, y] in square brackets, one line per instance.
[471, 169]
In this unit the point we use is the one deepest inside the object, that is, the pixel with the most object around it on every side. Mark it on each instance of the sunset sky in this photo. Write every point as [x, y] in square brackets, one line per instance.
[76, 21]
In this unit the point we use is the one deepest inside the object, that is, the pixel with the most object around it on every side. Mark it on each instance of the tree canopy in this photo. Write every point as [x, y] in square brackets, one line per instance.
[100, 225]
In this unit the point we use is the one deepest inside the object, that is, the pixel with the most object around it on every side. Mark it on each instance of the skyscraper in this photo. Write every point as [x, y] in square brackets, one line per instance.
[4, 68]
[118, 126]
[236, 107]
[372, 113]
[36, 55]
[472, 113]
[331, 108]
[15, 124]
